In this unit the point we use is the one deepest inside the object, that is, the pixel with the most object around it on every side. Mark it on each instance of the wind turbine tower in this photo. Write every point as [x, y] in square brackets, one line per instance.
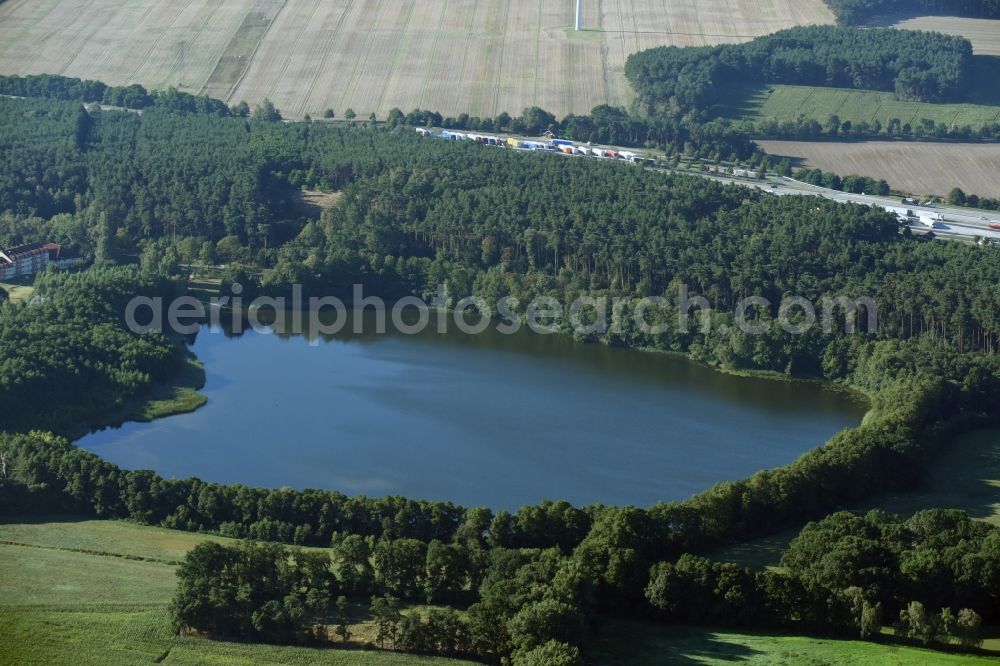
[579, 14]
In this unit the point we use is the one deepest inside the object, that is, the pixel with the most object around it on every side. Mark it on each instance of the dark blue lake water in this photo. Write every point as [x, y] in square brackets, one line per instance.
[488, 420]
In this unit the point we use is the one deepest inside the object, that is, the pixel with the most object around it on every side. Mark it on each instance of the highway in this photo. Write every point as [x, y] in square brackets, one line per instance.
[951, 223]
[961, 224]
[958, 223]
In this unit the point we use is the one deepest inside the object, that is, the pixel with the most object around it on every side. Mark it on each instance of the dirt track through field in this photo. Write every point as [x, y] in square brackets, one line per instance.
[456, 56]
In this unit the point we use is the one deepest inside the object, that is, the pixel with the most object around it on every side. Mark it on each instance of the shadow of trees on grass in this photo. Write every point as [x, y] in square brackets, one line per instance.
[623, 643]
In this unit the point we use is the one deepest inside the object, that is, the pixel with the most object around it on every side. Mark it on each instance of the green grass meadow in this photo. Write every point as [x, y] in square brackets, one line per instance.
[110, 537]
[18, 293]
[59, 578]
[628, 643]
[964, 475]
[96, 592]
[782, 102]
[126, 637]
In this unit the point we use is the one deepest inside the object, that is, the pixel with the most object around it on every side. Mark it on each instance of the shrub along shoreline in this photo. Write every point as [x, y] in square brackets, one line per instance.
[179, 394]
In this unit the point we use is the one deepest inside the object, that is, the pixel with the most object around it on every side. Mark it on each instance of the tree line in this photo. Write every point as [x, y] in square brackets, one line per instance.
[134, 96]
[703, 135]
[852, 183]
[850, 574]
[958, 197]
[803, 127]
[857, 12]
[864, 185]
[270, 593]
[498, 223]
[605, 124]
[692, 135]
[846, 575]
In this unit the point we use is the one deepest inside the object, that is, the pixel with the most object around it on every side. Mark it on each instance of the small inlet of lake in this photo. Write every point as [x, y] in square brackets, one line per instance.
[486, 420]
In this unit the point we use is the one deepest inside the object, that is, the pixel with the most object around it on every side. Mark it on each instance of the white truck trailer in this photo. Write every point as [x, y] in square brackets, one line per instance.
[930, 219]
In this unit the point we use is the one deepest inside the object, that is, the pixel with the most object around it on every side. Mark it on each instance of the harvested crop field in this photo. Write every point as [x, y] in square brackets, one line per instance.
[916, 167]
[456, 56]
[983, 33]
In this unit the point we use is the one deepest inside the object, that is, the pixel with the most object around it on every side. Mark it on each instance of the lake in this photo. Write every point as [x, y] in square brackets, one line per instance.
[487, 420]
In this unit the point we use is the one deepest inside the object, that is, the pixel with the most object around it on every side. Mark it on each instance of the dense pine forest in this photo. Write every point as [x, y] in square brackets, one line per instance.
[170, 187]
[708, 84]
[917, 66]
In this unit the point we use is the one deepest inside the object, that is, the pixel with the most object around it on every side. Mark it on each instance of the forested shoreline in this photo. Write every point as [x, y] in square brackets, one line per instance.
[166, 188]
[67, 356]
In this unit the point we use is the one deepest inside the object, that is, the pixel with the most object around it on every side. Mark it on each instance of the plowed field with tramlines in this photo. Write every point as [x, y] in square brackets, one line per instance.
[454, 56]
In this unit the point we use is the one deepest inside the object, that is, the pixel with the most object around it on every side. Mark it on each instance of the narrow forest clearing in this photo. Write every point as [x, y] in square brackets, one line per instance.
[965, 475]
[18, 293]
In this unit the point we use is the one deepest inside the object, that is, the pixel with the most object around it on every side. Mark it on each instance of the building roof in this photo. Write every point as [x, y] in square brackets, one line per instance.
[12, 254]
